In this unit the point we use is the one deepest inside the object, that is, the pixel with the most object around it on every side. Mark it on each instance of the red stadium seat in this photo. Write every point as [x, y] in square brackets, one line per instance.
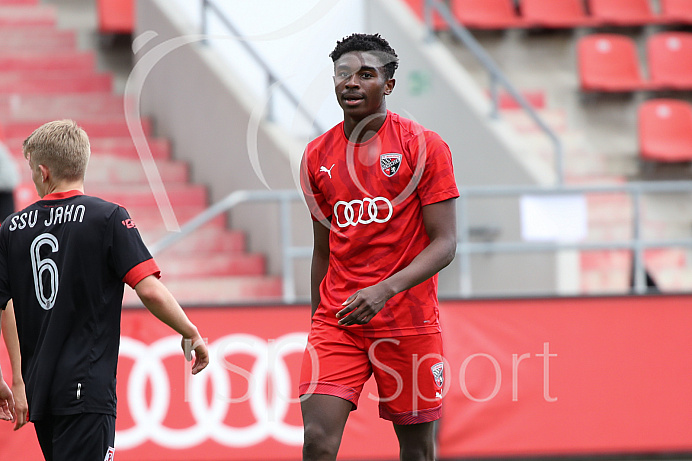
[678, 11]
[555, 14]
[418, 7]
[609, 63]
[669, 55]
[623, 12]
[665, 130]
[486, 14]
[116, 16]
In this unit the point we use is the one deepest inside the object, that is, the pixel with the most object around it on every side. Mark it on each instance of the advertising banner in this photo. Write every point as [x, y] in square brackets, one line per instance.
[523, 377]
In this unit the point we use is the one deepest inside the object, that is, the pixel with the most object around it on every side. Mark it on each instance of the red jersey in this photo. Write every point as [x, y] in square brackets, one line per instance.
[373, 193]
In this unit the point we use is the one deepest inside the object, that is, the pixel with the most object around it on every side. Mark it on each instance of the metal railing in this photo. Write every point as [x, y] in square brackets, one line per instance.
[274, 83]
[288, 252]
[497, 78]
[465, 247]
[636, 244]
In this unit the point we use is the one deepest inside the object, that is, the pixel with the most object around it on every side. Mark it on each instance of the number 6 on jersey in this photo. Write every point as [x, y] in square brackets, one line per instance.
[40, 266]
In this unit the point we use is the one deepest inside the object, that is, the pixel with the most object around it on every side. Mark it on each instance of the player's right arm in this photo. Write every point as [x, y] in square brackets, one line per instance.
[6, 398]
[9, 332]
[320, 261]
[160, 302]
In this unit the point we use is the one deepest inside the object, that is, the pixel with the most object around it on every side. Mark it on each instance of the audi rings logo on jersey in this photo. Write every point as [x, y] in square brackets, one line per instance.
[366, 211]
[208, 420]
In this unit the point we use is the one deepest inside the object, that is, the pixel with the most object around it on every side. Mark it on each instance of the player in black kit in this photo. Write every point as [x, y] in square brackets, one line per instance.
[64, 261]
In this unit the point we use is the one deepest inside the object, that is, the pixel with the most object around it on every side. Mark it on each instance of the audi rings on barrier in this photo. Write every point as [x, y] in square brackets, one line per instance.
[354, 210]
[208, 415]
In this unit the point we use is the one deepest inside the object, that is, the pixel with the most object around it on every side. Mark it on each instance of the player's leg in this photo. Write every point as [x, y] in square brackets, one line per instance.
[324, 418]
[44, 433]
[416, 441]
[409, 371]
[83, 437]
[335, 368]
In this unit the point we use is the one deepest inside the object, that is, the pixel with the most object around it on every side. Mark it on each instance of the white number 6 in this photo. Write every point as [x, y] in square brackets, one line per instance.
[42, 265]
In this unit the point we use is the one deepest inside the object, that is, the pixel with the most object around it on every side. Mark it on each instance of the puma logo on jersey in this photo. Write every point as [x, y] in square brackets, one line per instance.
[323, 169]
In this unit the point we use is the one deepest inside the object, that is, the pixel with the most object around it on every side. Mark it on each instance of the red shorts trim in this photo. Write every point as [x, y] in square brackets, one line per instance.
[408, 370]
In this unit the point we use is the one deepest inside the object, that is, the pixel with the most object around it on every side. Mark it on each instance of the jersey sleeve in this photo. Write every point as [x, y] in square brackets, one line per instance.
[5, 295]
[433, 161]
[314, 198]
[129, 256]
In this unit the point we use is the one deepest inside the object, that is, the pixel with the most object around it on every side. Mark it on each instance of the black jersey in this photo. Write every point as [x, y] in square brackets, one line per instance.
[64, 261]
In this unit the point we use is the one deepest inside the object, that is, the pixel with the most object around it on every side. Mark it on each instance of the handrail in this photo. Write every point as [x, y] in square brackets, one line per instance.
[289, 252]
[496, 77]
[464, 246]
[635, 189]
[272, 79]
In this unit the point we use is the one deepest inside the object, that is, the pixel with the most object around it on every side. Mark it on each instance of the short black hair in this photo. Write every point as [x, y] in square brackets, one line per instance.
[368, 42]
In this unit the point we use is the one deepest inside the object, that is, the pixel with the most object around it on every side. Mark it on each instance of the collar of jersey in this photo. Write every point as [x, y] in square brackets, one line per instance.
[62, 195]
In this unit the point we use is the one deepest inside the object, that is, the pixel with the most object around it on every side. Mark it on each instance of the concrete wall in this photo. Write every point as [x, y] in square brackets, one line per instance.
[208, 115]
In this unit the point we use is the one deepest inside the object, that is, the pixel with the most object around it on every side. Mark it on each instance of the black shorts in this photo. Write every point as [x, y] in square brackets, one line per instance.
[82, 437]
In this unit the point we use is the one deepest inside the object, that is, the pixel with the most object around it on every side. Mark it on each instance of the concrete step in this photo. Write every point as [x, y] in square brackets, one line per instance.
[150, 220]
[204, 240]
[133, 195]
[581, 159]
[211, 265]
[27, 15]
[122, 147]
[37, 106]
[536, 98]
[141, 195]
[95, 126]
[54, 82]
[123, 171]
[18, 2]
[524, 123]
[37, 38]
[217, 290]
[46, 61]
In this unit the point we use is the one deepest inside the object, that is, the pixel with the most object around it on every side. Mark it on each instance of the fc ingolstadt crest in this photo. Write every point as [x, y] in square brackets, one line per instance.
[390, 164]
[438, 373]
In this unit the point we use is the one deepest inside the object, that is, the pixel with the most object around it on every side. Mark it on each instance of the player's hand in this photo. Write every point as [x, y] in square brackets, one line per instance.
[199, 347]
[21, 407]
[363, 305]
[6, 402]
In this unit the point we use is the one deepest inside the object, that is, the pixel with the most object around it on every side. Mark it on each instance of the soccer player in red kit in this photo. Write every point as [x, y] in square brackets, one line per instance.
[380, 189]
[64, 261]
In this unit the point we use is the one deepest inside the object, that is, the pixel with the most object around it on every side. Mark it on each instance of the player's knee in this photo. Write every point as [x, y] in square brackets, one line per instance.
[319, 445]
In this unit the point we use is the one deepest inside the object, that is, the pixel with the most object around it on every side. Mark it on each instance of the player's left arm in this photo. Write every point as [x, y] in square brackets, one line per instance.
[439, 220]
[9, 333]
[160, 302]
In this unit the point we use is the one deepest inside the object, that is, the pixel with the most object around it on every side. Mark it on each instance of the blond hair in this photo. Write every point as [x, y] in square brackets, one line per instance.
[62, 146]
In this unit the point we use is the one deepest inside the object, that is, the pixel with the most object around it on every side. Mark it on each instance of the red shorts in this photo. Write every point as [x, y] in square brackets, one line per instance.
[408, 371]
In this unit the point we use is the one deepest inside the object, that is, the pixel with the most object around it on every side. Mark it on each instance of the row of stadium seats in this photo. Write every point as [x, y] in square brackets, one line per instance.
[610, 62]
[503, 14]
[660, 130]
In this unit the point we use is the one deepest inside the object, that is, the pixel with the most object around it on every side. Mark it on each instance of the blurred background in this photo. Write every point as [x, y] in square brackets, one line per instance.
[566, 310]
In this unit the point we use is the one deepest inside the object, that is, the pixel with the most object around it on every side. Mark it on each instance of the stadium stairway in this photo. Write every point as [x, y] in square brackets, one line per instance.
[44, 76]
[599, 143]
